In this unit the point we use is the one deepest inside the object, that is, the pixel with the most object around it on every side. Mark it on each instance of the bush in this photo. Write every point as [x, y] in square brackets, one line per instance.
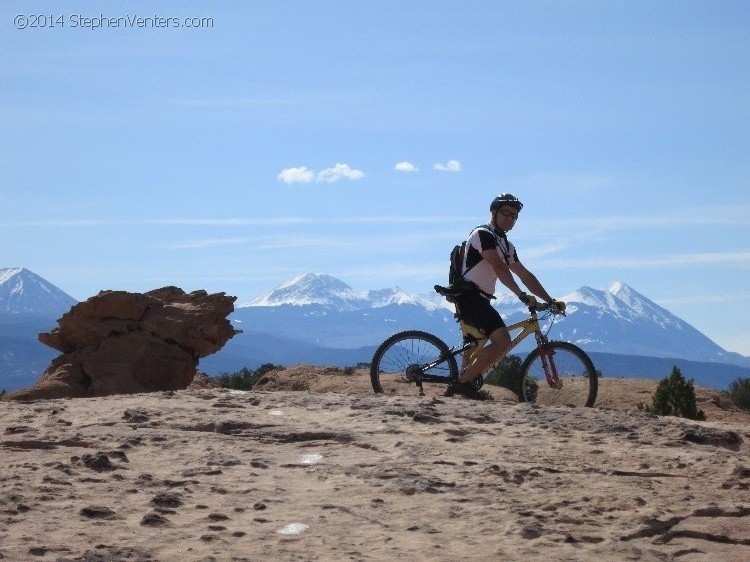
[239, 380]
[674, 396]
[244, 379]
[739, 392]
[506, 373]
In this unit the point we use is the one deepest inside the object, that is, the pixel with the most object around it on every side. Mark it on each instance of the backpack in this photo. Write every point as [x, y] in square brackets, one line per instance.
[455, 270]
[457, 285]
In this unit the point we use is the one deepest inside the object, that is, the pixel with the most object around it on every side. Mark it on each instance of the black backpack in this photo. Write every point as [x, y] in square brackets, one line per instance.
[457, 285]
[455, 272]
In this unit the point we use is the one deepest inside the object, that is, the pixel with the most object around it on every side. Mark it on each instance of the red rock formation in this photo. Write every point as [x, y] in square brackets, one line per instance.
[123, 343]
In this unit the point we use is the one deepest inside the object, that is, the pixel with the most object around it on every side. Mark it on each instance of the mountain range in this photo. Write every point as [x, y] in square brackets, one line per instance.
[320, 320]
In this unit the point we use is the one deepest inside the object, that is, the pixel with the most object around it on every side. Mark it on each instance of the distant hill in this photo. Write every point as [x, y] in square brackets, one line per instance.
[259, 348]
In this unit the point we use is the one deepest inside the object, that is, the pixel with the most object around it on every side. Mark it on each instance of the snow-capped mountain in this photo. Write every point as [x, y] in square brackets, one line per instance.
[312, 289]
[620, 320]
[22, 291]
[28, 305]
[321, 309]
[335, 295]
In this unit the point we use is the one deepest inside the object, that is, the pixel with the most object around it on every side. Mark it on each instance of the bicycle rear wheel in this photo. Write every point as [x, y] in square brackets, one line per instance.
[407, 357]
[578, 383]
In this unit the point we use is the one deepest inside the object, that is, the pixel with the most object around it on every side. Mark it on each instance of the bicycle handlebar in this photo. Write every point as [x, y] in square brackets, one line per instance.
[545, 306]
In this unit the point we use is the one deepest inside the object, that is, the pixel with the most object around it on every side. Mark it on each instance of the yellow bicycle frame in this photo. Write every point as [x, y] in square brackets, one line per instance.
[527, 326]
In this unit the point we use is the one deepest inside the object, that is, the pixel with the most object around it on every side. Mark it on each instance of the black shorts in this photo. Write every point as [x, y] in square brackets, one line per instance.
[477, 311]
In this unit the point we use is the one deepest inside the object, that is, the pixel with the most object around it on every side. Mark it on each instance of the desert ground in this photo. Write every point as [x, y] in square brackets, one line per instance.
[330, 471]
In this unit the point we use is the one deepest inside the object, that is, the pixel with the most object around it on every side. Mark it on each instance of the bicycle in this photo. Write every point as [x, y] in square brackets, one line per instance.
[554, 373]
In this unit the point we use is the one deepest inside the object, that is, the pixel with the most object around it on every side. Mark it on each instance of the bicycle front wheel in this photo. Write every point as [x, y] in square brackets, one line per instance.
[559, 374]
[410, 357]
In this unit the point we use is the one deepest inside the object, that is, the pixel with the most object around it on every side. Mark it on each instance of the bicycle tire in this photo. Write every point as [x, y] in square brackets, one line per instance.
[575, 370]
[390, 364]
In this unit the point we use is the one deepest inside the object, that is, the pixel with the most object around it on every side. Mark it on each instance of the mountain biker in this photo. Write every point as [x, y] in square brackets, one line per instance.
[490, 256]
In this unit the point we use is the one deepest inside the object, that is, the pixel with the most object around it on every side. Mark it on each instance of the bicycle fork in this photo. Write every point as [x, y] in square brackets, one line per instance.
[548, 363]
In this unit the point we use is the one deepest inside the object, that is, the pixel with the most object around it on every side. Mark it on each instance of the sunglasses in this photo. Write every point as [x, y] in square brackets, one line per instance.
[507, 213]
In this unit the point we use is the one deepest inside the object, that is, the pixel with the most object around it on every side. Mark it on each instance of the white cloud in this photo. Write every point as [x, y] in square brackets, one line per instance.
[296, 175]
[405, 167]
[449, 166]
[330, 175]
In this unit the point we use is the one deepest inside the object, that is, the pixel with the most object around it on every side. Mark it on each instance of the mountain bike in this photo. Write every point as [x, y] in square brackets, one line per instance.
[554, 373]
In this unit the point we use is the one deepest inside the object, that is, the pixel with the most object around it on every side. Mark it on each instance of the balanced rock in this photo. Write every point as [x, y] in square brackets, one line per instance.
[122, 343]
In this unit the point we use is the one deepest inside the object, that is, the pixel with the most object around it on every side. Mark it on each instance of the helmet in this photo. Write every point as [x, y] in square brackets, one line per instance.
[505, 199]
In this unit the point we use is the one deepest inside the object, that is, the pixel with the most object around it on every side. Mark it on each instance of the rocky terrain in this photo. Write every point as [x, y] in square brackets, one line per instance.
[332, 472]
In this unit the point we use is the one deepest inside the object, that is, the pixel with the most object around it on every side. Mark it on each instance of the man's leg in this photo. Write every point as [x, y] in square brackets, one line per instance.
[490, 354]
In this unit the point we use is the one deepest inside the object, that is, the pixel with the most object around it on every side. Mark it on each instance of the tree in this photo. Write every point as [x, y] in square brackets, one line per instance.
[739, 392]
[674, 396]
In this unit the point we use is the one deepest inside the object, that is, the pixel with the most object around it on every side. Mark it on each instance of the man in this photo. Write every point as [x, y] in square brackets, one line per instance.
[490, 256]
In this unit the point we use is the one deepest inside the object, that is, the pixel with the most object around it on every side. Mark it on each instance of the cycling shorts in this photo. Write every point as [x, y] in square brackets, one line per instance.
[476, 311]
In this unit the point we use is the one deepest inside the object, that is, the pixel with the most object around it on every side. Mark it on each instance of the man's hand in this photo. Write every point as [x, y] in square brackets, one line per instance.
[559, 306]
[528, 300]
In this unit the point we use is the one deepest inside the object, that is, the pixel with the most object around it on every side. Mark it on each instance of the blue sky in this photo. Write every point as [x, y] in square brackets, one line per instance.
[136, 157]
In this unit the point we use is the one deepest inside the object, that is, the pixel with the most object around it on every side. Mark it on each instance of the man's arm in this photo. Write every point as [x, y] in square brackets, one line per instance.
[529, 280]
[502, 271]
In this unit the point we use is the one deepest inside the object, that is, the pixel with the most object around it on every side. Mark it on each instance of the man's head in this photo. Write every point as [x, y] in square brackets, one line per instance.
[505, 208]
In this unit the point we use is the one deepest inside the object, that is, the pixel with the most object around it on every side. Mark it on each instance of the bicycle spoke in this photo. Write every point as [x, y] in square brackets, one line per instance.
[402, 359]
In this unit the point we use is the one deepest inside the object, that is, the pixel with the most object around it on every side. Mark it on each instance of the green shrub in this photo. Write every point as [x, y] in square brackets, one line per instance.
[244, 379]
[3, 393]
[506, 373]
[674, 396]
[739, 392]
[349, 370]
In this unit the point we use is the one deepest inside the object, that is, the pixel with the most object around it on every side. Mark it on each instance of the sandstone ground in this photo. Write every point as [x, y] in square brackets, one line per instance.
[332, 472]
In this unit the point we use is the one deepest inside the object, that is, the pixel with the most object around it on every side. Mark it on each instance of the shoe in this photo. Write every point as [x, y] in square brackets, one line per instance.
[467, 389]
